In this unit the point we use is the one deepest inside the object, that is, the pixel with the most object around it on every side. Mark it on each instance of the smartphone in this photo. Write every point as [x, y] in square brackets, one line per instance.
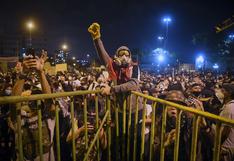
[29, 54]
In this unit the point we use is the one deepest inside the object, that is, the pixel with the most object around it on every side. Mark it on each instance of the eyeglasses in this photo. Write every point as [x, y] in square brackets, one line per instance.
[123, 52]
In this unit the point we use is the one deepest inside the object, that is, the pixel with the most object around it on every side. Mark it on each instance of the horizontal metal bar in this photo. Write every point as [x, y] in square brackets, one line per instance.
[188, 109]
[15, 99]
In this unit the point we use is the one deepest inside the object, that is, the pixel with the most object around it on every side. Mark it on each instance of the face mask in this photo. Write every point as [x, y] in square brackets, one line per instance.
[196, 93]
[122, 61]
[8, 92]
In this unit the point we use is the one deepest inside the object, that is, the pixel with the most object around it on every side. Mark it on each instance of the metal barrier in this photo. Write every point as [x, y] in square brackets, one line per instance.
[19, 99]
[125, 149]
[197, 114]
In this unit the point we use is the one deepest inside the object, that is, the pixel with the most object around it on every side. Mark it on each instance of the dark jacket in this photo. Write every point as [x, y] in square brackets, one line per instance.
[123, 91]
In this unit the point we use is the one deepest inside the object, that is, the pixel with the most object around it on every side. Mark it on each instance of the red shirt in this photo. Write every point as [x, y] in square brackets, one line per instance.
[117, 73]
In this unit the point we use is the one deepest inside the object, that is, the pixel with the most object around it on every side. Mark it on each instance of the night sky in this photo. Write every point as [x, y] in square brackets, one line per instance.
[136, 24]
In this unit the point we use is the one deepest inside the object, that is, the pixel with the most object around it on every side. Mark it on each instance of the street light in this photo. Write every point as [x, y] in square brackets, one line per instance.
[64, 47]
[160, 38]
[160, 58]
[166, 20]
[216, 66]
[30, 26]
[200, 62]
[200, 59]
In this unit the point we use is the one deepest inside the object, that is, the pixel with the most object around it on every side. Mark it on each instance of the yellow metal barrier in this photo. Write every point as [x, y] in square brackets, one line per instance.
[125, 146]
[219, 120]
[19, 99]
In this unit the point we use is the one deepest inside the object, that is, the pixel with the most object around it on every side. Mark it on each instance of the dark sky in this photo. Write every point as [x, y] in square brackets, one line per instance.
[123, 22]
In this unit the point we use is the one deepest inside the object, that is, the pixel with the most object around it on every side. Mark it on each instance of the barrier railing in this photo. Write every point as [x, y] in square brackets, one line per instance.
[122, 150]
[17, 100]
[197, 115]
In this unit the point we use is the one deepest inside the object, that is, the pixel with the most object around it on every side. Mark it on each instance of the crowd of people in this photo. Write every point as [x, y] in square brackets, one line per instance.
[205, 91]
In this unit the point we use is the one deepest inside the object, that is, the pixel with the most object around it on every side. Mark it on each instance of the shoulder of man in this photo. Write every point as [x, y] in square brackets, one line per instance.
[228, 110]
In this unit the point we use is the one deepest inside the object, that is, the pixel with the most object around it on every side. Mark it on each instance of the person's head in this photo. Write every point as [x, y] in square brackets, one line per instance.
[228, 91]
[196, 89]
[176, 97]
[123, 57]
[7, 90]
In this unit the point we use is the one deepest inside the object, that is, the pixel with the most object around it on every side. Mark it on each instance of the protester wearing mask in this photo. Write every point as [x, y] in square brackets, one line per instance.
[7, 90]
[126, 75]
[7, 141]
[120, 66]
[196, 90]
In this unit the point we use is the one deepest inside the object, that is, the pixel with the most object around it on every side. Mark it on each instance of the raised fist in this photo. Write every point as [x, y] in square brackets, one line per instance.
[94, 29]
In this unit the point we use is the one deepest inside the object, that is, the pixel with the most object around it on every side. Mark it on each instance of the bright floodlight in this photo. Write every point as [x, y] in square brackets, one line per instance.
[231, 36]
[30, 25]
[73, 58]
[160, 38]
[64, 46]
[160, 58]
[215, 66]
[167, 19]
[200, 59]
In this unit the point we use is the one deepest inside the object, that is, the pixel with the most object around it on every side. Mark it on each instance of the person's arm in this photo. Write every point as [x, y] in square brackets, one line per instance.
[44, 82]
[102, 53]
[94, 30]
[131, 85]
[211, 130]
[19, 84]
[227, 113]
[225, 133]
[103, 138]
[18, 87]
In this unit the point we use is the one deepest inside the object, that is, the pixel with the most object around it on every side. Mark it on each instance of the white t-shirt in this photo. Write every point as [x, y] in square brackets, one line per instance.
[148, 112]
[228, 112]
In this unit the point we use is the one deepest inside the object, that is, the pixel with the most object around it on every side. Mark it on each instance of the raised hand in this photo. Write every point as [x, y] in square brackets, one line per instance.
[106, 90]
[36, 63]
[170, 137]
[94, 30]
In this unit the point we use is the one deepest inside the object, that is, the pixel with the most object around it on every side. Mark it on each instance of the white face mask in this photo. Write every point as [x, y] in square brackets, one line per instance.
[8, 92]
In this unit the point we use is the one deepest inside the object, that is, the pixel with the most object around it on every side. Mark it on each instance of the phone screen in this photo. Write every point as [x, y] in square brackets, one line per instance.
[29, 54]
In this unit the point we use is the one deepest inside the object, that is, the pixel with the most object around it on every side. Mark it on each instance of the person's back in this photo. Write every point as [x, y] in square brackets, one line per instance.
[228, 144]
